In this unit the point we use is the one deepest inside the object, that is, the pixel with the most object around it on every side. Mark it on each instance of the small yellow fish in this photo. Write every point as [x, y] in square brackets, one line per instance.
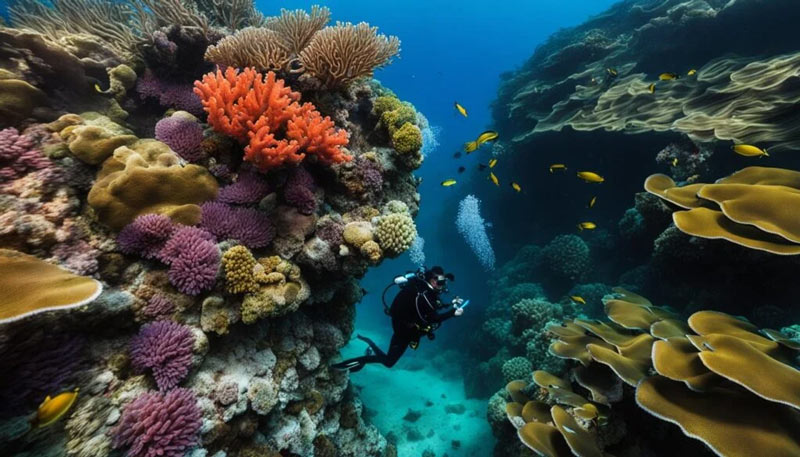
[471, 146]
[557, 166]
[692, 72]
[590, 176]
[448, 182]
[668, 76]
[652, 88]
[577, 299]
[494, 179]
[492, 163]
[748, 150]
[460, 109]
[98, 88]
[516, 187]
[587, 226]
[675, 162]
[489, 135]
[612, 72]
[592, 202]
[53, 409]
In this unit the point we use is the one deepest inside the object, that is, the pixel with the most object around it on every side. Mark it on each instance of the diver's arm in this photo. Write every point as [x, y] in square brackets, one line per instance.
[441, 317]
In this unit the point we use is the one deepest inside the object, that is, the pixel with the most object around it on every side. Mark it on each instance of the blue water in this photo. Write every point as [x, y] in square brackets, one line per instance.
[451, 51]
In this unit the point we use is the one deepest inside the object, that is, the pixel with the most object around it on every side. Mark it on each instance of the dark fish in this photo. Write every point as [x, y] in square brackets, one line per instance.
[482, 167]
[461, 169]
[457, 155]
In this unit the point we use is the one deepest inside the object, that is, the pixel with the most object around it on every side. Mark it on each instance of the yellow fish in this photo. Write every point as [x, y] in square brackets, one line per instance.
[557, 166]
[587, 226]
[471, 146]
[675, 162]
[494, 179]
[592, 202]
[98, 88]
[748, 150]
[612, 72]
[448, 182]
[668, 76]
[516, 187]
[53, 409]
[577, 299]
[492, 163]
[652, 88]
[460, 109]
[692, 72]
[590, 176]
[489, 135]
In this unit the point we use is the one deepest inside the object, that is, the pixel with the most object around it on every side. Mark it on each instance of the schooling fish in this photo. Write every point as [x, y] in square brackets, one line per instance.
[577, 299]
[587, 226]
[668, 76]
[590, 176]
[461, 169]
[457, 155]
[592, 202]
[53, 409]
[471, 146]
[448, 182]
[494, 179]
[557, 166]
[612, 72]
[460, 109]
[692, 72]
[489, 135]
[516, 187]
[748, 150]
[492, 163]
[652, 88]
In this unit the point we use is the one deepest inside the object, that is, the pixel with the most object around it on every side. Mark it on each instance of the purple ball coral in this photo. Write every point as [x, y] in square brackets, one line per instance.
[159, 424]
[169, 94]
[248, 226]
[146, 235]
[165, 348]
[371, 175]
[248, 189]
[182, 135]
[299, 191]
[18, 155]
[193, 260]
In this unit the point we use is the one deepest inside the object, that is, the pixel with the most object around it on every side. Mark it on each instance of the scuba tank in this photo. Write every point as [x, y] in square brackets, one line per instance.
[401, 282]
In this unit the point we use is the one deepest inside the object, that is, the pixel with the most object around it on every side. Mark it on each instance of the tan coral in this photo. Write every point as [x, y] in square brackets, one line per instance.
[669, 328]
[357, 233]
[547, 380]
[148, 177]
[257, 47]
[372, 251]
[601, 382]
[296, 28]
[629, 370]
[663, 186]
[93, 144]
[536, 411]
[581, 442]
[18, 100]
[544, 439]
[574, 347]
[514, 389]
[677, 359]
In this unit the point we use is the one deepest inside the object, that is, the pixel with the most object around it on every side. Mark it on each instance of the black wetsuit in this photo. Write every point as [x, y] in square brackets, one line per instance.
[415, 312]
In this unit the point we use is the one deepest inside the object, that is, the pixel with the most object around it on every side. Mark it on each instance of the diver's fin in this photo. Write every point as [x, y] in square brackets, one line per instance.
[348, 365]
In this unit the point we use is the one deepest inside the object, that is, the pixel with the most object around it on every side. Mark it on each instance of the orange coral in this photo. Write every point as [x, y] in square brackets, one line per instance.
[255, 108]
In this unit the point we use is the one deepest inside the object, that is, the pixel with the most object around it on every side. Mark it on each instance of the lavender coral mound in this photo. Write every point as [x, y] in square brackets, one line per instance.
[159, 307]
[169, 94]
[165, 348]
[193, 258]
[159, 425]
[473, 228]
[371, 174]
[248, 189]
[249, 226]
[299, 191]
[146, 235]
[18, 155]
[182, 135]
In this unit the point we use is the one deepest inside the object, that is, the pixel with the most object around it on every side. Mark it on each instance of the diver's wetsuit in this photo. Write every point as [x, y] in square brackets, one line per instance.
[415, 312]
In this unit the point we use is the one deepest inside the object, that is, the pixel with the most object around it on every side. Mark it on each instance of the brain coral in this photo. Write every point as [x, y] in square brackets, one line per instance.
[396, 233]
[165, 348]
[147, 177]
[566, 257]
[159, 424]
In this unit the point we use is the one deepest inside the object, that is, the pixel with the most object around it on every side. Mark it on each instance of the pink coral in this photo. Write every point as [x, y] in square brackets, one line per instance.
[146, 235]
[18, 155]
[193, 260]
[248, 226]
[248, 189]
[159, 424]
[182, 135]
[165, 348]
[158, 307]
[169, 94]
[299, 191]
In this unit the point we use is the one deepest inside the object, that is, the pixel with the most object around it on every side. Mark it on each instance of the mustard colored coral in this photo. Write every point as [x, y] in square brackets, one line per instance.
[395, 233]
[240, 270]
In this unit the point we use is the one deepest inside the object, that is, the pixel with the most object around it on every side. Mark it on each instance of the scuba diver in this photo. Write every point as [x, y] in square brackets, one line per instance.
[415, 311]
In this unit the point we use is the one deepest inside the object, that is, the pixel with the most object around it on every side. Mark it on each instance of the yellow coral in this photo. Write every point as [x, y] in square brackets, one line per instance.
[396, 232]
[407, 139]
[240, 268]
[357, 233]
[372, 251]
[17, 100]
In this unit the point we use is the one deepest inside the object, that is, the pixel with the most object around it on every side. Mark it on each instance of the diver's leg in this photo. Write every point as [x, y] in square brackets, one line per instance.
[397, 347]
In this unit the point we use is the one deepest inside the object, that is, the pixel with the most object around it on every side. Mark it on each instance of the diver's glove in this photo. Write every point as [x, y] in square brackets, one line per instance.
[458, 312]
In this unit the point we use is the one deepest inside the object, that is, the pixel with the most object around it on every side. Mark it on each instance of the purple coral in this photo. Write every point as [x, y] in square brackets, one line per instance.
[182, 135]
[159, 424]
[169, 94]
[165, 348]
[78, 257]
[18, 155]
[371, 174]
[249, 226]
[193, 260]
[299, 191]
[249, 188]
[331, 232]
[158, 307]
[146, 235]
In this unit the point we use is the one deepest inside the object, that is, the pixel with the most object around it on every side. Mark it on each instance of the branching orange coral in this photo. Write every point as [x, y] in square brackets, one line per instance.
[256, 109]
